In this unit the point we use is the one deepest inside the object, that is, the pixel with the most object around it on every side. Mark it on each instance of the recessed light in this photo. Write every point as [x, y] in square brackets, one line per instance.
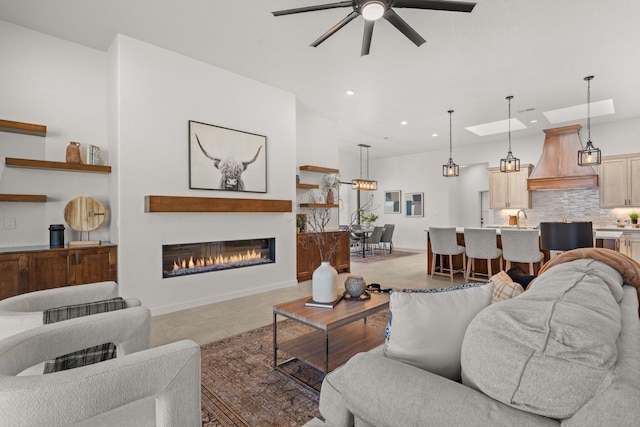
[434, 134]
[403, 123]
[350, 92]
[533, 121]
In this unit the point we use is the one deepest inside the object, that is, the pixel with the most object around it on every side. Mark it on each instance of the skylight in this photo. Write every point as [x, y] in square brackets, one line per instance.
[577, 112]
[501, 126]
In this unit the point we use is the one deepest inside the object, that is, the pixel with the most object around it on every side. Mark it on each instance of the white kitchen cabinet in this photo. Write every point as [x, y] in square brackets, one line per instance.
[630, 245]
[620, 181]
[509, 190]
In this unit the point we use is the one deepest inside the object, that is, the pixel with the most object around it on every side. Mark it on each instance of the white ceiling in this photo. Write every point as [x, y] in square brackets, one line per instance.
[538, 51]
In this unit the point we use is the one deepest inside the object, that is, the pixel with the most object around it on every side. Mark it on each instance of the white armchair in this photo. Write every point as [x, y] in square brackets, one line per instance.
[23, 312]
[159, 386]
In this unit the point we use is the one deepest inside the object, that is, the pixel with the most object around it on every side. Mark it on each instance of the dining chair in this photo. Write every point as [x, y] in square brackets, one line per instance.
[373, 240]
[387, 236]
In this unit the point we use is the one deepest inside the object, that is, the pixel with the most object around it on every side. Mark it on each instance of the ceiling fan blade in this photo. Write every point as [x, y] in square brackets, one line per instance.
[331, 31]
[313, 8]
[403, 27]
[366, 38]
[451, 6]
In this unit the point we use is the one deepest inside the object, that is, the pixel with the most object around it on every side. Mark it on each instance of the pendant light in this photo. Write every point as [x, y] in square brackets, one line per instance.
[509, 163]
[361, 183]
[590, 155]
[450, 170]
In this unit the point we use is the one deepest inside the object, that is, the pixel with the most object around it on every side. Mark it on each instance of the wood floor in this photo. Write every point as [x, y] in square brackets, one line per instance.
[213, 322]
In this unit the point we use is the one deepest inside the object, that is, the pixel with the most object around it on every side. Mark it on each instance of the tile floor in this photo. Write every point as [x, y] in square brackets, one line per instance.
[213, 322]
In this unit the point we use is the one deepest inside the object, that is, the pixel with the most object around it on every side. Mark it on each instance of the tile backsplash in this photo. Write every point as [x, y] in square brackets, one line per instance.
[572, 205]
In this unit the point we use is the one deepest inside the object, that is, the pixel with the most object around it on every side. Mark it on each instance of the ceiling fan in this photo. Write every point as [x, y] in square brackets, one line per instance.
[372, 10]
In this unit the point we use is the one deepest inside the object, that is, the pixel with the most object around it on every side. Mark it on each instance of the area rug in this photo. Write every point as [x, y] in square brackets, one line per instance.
[357, 256]
[240, 387]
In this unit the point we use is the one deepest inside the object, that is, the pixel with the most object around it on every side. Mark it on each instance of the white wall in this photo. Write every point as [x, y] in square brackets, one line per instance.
[156, 93]
[62, 85]
[317, 144]
[411, 174]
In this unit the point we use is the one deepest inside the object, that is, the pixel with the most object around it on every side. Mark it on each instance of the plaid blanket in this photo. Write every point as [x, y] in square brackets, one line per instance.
[89, 355]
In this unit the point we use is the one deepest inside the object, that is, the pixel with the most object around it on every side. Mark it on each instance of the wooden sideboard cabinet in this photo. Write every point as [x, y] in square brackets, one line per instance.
[37, 268]
[308, 254]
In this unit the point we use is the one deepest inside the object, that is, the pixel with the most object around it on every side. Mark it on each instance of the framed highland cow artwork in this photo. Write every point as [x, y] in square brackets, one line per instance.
[226, 159]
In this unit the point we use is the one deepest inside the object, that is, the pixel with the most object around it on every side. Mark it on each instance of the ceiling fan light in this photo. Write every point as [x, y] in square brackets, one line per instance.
[373, 10]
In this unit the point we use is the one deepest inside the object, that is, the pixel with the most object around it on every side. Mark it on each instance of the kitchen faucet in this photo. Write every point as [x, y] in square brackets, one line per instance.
[518, 217]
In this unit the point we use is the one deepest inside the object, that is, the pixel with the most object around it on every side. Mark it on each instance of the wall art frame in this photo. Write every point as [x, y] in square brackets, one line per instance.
[393, 202]
[226, 159]
[414, 205]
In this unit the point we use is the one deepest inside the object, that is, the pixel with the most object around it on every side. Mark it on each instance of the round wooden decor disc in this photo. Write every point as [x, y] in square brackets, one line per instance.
[84, 213]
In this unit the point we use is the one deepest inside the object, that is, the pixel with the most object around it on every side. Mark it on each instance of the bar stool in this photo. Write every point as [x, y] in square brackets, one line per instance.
[481, 243]
[521, 246]
[444, 242]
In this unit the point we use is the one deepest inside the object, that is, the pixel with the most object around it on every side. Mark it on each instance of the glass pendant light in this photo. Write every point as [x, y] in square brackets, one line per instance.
[590, 155]
[509, 163]
[450, 170]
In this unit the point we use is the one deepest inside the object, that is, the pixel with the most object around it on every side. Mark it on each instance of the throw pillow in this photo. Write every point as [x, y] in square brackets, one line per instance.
[552, 349]
[89, 355]
[503, 287]
[426, 327]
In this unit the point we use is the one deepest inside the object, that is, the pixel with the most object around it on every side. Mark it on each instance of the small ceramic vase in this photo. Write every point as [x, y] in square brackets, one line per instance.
[324, 283]
[73, 152]
[355, 286]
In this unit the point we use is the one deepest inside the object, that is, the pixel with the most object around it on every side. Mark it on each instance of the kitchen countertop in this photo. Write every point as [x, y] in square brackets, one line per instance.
[613, 233]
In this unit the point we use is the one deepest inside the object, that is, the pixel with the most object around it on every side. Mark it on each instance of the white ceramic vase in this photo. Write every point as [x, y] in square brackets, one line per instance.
[324, 283]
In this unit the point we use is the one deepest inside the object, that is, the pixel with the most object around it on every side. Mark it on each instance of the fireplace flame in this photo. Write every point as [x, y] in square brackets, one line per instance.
[181, 264]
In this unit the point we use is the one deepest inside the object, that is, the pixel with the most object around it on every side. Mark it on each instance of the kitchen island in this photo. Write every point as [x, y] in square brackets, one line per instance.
[604, 238]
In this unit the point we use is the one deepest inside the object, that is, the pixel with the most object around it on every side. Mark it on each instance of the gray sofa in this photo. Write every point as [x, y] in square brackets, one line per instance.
[565, 352]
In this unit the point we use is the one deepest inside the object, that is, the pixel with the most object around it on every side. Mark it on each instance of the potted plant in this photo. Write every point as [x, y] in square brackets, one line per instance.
[367, 219]
[329, 183]
[634, 217]
[300, 223]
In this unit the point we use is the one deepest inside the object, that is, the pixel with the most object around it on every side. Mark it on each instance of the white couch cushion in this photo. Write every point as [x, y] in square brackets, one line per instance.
[549, 350]
[427, 326]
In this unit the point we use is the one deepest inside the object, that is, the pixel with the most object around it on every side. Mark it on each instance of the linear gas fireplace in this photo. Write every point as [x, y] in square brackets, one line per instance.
[194, 258]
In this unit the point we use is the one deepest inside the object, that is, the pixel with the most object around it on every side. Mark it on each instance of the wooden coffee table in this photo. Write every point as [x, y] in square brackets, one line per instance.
[338, 336]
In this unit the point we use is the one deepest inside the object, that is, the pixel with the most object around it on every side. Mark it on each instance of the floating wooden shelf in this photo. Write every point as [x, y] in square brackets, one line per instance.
[318, 205]
[43, 164]
[213, 204]
[310, 168]
[35, 198]
[25, 128]
[307, 186]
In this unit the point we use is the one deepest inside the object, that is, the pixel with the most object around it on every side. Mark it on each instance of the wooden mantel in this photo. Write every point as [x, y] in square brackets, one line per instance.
[214, 204]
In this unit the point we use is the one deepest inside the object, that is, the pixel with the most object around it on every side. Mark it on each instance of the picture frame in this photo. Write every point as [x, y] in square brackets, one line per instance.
[414, 205]
[226, 159]
[392, 202]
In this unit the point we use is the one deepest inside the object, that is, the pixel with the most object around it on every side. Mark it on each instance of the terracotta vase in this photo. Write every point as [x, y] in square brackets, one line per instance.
[324, 283]
[330, 199]
[73, 152]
